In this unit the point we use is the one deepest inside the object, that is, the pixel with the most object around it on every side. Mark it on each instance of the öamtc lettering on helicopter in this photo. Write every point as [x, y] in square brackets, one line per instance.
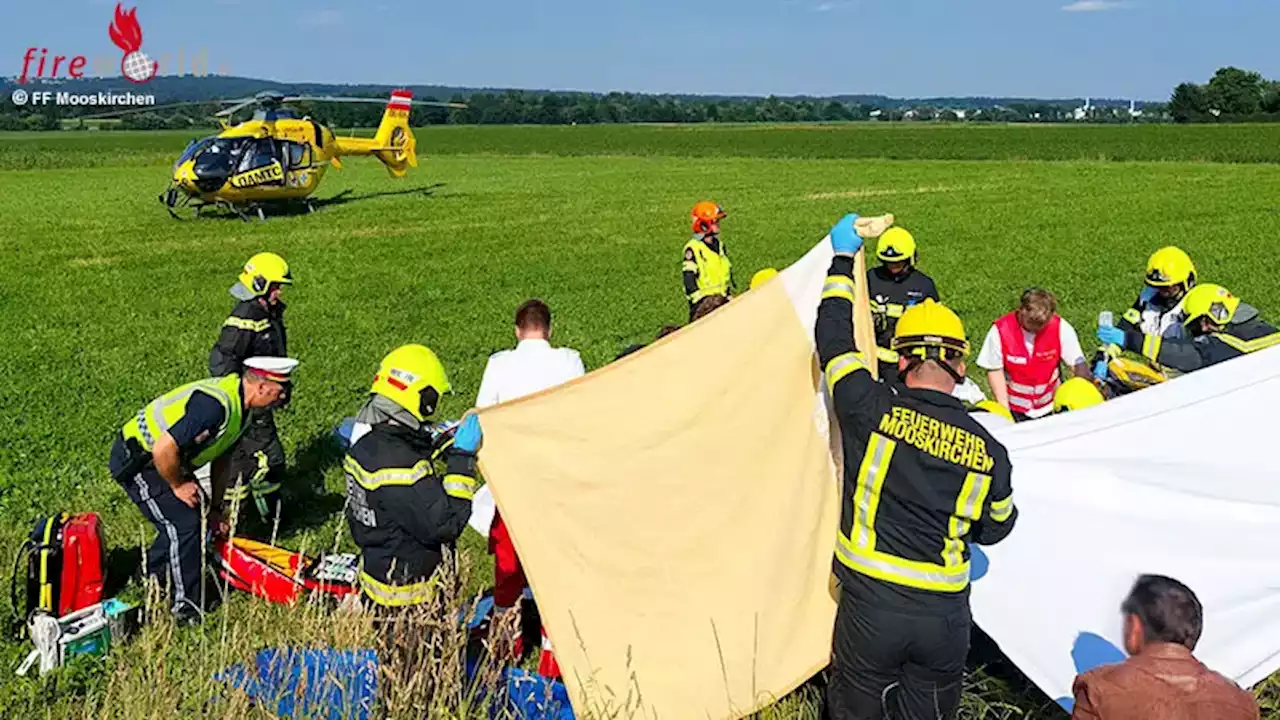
[272, 173]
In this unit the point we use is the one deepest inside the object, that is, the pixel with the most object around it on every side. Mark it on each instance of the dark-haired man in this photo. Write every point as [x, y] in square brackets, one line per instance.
[1161, 680]
[707, 305]
[531, 367]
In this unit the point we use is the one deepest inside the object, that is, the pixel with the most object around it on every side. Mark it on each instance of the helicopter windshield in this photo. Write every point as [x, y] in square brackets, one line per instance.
[193, 148]
[220, 156]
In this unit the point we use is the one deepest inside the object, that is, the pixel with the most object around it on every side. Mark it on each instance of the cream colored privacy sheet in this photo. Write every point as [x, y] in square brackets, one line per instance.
[675, 513]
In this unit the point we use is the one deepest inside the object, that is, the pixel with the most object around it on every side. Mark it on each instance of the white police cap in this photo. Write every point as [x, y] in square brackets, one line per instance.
[276, 369]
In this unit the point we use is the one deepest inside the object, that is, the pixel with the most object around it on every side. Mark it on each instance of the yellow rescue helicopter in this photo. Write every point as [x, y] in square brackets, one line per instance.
[278, 157]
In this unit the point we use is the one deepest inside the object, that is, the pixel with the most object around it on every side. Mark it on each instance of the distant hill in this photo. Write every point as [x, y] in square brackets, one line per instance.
[169, 89]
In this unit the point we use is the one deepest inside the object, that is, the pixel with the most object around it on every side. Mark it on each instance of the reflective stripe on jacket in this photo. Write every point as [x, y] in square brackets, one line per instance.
[401, 512]
[923, 480]
[167, 410]
[712, 268]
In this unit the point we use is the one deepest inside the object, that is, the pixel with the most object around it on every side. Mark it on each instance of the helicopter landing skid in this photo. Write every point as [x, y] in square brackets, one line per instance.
[173, 200]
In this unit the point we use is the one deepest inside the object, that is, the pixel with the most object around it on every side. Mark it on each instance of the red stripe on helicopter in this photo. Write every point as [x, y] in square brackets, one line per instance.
[400, 99]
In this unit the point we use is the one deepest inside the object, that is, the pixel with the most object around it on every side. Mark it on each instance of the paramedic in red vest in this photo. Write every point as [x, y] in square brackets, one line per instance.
[1023, 353]
[534, 365]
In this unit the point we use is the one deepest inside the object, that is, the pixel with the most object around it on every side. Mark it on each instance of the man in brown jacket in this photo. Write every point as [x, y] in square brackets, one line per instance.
[1161, 680]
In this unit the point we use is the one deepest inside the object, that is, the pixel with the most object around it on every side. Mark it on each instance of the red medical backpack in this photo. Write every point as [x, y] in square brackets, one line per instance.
[66, 564]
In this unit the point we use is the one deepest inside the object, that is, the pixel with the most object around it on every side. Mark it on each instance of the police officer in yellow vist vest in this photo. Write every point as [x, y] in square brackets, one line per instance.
[706, 267]
[402, 515]
[154, 457]
[923, 479]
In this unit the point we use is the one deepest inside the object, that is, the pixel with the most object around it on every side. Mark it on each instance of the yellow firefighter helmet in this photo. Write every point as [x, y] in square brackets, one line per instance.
[896, 245]
[1076, 394]
[928, 328]
[1210, 301]
[1170, 266]
[762, 277]
[412, 377]
[263, 270]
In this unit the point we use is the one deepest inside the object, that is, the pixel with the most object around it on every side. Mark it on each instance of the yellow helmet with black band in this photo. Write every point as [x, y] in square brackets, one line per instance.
[930, 328]
[264, 270]
[412, 377]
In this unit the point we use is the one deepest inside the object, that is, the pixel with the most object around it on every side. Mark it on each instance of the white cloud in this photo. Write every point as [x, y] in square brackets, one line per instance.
[830, 5]
[323, 18]
[1095, 5]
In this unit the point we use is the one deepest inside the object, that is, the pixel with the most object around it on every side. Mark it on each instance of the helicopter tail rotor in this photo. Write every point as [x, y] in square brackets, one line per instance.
[393, 143]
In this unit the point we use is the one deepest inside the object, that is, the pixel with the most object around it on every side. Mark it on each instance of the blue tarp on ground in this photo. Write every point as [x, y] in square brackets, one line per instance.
[332, 684]
[534, 697]
[343, 685]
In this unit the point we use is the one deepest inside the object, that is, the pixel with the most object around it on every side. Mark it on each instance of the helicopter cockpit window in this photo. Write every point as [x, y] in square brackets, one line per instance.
[219, 157]
[259, 154]
[299, 155]
[194, 149]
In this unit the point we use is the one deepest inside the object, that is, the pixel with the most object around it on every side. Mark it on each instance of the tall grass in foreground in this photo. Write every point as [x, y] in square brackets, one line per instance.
[167, 671]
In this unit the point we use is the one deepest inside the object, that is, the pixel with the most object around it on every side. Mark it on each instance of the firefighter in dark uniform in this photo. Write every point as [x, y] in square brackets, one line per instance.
[922, 480]
[894, 286]
[255, 327]
[154, 457]
[401, 513]
[1218, 327]
[706, 268]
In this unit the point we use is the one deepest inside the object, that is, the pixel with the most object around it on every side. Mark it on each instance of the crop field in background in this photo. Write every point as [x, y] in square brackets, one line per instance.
[109, 302]
[1258, 143]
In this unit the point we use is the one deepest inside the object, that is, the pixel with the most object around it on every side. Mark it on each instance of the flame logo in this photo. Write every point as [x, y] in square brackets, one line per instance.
[125, 31]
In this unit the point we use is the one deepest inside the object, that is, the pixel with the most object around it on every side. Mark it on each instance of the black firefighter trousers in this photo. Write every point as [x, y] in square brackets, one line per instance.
[889, 665]
[260, 438]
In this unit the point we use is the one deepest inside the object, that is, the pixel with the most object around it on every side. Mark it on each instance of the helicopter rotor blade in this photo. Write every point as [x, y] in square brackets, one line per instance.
[148, 108]
[240, 105]
[381, 101]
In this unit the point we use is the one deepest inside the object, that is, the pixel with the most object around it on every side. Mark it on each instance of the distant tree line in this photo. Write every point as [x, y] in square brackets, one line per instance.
[1232, 95]
[552, 108]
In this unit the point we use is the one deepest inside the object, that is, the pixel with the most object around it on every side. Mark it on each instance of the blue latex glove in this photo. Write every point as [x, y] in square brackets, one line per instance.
[1147, 294]
[467, 439]
[844, 239]
[1100, 369]
[1111, 336]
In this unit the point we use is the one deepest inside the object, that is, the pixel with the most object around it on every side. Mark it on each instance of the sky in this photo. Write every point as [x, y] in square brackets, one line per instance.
[1138, 49]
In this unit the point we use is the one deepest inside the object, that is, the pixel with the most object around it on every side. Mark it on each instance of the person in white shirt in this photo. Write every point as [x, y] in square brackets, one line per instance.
[1023, 352]
[532, 366]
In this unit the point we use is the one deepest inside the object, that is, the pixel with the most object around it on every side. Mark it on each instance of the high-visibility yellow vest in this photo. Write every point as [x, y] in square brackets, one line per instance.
[167, 410]
[712, 269]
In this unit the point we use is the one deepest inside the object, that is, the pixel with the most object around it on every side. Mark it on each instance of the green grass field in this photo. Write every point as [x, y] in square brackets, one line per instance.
[109, 302]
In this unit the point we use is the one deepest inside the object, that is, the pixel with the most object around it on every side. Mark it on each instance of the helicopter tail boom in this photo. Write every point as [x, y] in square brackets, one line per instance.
[393, 144]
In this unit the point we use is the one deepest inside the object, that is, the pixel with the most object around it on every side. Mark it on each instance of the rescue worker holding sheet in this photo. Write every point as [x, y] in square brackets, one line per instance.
[922, 480]
[401, 513]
